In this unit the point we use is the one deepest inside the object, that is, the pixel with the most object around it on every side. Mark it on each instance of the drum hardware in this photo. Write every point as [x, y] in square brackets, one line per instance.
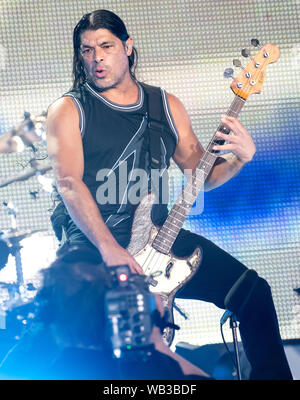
[30, 131]
[34, 194]
[37, 168]
[12, 239]
[17, 291]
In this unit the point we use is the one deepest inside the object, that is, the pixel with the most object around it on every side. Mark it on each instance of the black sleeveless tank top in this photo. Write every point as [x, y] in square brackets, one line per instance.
[116, 142]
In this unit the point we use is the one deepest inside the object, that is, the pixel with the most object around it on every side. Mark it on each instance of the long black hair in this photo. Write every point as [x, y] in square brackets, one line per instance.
[92, 21]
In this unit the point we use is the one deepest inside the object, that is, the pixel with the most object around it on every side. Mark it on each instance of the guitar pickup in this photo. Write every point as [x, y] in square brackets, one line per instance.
[168, 269]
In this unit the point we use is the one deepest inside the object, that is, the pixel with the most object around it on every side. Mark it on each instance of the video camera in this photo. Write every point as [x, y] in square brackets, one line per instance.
[129, 308]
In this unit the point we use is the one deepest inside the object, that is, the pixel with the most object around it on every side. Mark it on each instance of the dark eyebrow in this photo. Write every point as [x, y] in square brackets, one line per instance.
[101, 44]
[106, 42]
[86, 46]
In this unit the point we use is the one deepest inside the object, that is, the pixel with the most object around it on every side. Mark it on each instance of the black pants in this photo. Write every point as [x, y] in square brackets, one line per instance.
[215, 277]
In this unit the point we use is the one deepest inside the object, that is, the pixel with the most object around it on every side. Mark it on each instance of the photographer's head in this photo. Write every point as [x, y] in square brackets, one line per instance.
[71, 301]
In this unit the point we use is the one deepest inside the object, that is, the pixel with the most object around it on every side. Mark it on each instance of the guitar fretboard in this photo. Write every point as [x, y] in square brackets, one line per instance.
[181, 208]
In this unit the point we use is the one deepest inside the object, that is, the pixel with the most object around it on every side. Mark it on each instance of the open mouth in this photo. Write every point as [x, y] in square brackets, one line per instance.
[100, 73]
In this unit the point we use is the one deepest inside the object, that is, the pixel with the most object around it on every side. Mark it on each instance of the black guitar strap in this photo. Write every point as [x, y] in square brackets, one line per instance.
[155, 126]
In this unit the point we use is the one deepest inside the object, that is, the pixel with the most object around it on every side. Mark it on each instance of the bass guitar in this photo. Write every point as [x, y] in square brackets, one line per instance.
[151, 245]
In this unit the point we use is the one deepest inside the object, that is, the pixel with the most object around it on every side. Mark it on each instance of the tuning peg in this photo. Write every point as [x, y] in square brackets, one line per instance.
[228, 73]
[255, 43]
[245, 53]
[237, 63]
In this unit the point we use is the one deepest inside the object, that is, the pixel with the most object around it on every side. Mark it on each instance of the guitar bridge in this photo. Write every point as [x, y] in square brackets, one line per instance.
[151, 281]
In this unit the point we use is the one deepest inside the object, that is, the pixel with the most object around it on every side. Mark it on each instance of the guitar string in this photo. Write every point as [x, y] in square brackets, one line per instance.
[175, 211]
[247, 91]
[149, 260]
[175, 214]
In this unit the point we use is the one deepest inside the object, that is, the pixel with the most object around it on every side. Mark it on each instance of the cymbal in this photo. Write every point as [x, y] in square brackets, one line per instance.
[17, 236]
[8, 285]
[13, 285]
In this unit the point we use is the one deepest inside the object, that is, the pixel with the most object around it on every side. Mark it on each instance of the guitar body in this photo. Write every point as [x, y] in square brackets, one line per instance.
[167, 273]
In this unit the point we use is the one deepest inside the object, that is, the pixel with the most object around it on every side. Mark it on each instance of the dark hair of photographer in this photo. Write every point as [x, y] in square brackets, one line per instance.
[71, 302]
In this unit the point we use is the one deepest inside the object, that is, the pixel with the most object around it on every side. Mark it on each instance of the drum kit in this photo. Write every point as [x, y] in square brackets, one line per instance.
[27, 134]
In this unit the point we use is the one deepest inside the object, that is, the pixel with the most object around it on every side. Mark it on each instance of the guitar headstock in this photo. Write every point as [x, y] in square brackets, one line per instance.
[250, 80]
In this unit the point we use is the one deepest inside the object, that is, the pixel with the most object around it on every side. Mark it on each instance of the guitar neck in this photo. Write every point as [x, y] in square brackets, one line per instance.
[180, 210]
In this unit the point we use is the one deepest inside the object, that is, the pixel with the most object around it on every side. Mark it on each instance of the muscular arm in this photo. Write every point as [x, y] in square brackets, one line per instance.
[189, 150]
[64, 146]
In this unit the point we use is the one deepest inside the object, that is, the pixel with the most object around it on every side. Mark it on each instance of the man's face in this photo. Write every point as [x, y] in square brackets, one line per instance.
[104, 57]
